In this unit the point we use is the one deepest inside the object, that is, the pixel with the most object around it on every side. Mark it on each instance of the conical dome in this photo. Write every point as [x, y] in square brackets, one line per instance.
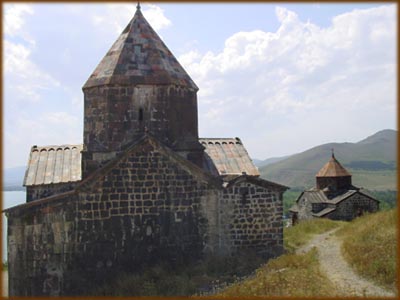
[333, 176]
[139, 56]
[333, 169]
[139, 88]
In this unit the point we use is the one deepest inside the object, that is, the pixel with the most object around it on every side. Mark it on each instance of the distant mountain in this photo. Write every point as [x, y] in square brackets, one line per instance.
[13, 178]
[261, 163]
[371, 161]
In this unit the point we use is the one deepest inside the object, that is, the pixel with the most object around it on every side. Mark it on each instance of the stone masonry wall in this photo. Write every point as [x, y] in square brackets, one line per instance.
[41, 241]
[305, 209]
[147, 208]
[251, 217]
[114, 116]
[47, 190]
[350, 208]
[334, 183]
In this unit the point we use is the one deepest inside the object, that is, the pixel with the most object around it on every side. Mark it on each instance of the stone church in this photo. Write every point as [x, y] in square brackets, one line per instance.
[143, 187]
[334, 197]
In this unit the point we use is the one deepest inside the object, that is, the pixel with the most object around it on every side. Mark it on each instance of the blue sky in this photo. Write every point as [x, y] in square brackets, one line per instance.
[283, 77]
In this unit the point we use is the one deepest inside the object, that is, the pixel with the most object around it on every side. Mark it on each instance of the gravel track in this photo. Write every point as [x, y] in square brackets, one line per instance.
[338, 271]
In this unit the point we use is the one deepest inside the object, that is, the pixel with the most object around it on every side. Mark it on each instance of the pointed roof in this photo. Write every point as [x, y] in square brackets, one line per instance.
[139, 56]
[333, 169]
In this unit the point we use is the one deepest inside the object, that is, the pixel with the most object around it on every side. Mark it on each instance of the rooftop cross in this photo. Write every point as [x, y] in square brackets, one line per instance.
[333, 154]
[138, 6]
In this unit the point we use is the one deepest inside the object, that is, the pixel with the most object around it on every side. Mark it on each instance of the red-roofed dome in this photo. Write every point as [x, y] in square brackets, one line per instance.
[333, 169]
[333, 176]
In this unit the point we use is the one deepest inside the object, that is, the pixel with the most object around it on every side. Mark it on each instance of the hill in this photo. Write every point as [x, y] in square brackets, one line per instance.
[311, 269]
[261, 163]
[371, 161]
[13, 178]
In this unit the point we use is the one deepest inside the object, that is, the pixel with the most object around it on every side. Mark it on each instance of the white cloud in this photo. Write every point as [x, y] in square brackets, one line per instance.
[262, 86]
[155, 16]
[117, 16]
[24, 78]
[54, 128]
[62, 118]
[14, 18]
[299, 69]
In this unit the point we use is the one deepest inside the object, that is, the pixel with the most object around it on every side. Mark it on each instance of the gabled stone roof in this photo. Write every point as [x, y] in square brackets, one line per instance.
[227, 157]
[318, 196]
[324, 212]
[53, 164]
[333, 169]
[256, 181]
[139, 56]
[140, 145]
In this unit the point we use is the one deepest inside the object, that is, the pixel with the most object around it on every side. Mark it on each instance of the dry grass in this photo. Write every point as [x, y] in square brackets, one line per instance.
[370, 246]
[291, 274]
[288, 275]
[181, 280]
[299, 235]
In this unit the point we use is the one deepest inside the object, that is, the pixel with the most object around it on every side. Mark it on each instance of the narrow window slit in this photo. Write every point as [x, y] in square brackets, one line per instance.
[140, 114]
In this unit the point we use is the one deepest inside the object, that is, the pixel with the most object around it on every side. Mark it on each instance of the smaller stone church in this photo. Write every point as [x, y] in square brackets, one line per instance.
[334, 197]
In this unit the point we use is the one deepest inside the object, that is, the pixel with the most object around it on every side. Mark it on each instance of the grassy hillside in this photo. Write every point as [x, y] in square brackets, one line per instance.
[296, 275]
[288, 275]
[371, 161]
[369, 243]
[370, 246]
[261, 163]
[299, 235]
[13, 178]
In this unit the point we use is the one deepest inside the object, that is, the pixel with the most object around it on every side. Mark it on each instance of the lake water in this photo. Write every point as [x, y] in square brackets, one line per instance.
[10, 199]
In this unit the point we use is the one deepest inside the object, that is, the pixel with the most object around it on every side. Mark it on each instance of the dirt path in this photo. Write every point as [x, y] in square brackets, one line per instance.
[338, 270]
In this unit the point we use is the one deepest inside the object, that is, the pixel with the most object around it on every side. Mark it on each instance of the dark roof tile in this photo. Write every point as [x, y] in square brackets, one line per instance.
[139, 56]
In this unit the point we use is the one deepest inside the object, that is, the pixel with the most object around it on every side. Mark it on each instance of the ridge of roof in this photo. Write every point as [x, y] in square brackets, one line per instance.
[324, 212]
[236, 139]
[333, 168]
[258, 181]
[318, 196]
[139, 56]
[203, 174]
[39, 202]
